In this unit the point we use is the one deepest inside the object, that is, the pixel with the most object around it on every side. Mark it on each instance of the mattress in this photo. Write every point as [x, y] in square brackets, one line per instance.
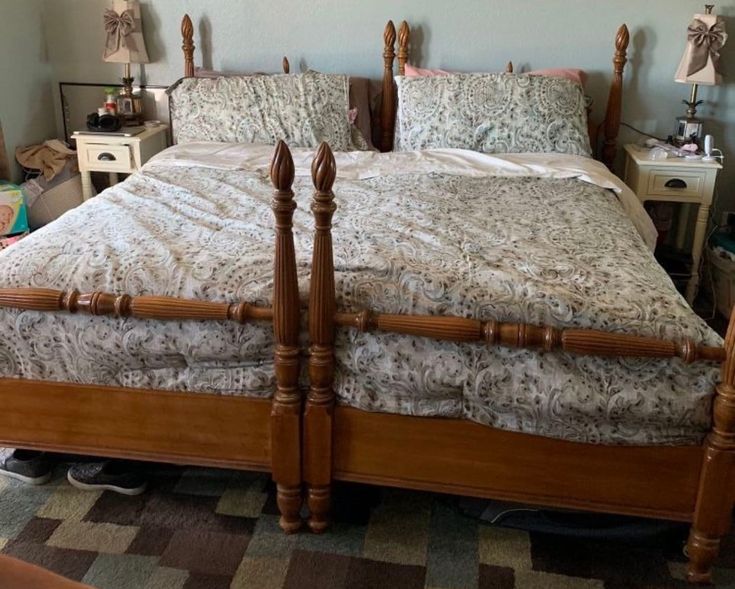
[540, 239]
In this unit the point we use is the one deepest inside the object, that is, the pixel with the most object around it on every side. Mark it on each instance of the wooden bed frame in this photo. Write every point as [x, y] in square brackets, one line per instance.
[686, 483]
[178, 427]
[326, 442]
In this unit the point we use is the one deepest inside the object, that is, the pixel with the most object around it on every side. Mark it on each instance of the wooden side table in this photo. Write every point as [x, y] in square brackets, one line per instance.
[690, 182]
[116, 155]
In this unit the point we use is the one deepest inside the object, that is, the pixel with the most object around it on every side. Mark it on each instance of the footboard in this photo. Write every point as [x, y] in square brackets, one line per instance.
[190, 428]
[462, 457]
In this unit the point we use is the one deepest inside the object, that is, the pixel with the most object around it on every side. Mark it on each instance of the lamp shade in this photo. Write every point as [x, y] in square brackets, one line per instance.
[701, 62]
[124, 41]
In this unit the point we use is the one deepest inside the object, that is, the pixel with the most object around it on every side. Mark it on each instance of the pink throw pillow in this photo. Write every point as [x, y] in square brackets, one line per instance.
[575, 75]
[414, 72]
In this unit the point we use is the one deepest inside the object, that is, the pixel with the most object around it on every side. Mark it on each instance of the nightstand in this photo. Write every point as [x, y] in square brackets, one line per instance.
[681, 181]
[117, 155]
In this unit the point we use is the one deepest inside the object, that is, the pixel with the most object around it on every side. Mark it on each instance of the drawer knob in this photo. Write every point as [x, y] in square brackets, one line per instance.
[108, 157]
[676, 183]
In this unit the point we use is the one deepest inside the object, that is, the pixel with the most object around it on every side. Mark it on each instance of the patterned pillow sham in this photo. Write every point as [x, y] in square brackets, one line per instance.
[492, 113]
[302, 109]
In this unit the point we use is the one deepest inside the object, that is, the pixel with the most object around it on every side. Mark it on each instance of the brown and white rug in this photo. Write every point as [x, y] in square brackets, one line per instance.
[215, 529]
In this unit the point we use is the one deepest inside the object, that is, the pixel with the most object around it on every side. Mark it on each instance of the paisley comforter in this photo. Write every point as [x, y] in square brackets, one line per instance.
[532, 238]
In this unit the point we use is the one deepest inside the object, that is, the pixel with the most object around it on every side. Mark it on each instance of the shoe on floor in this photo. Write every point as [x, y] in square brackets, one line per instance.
[112, 475]
[29, 466]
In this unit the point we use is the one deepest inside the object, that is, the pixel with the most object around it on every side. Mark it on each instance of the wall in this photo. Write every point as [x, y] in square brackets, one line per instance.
[26, 98]
[342, 36]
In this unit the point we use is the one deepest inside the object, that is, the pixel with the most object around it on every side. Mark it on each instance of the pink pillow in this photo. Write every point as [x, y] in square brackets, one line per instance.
[575, 75]
[414, 72]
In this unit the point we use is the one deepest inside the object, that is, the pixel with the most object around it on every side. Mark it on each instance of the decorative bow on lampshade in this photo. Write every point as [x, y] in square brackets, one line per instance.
[701, 62]
[124, 31]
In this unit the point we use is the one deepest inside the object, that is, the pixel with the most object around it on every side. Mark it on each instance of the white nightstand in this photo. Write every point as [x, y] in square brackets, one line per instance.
[676, 180]
[117, 155]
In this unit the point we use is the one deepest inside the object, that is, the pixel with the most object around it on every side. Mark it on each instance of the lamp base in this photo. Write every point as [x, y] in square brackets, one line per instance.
[688, 130]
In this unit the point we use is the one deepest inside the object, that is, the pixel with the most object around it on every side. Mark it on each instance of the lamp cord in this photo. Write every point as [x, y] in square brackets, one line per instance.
[631, 127]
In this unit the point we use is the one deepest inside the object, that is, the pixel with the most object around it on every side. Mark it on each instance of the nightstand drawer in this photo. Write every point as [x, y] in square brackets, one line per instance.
[107, 158]
[667, 182]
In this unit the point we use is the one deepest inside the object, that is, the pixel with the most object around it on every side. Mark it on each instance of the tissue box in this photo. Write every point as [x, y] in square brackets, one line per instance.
[13, 215]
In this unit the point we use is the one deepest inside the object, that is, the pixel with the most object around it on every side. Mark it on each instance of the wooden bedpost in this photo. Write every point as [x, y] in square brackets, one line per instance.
[319, 415]
[286, 65]
[187, 34]
[388, 106]
[713, 512]
[509, 68]
[404, 36]
[611, 126]
[286, 410]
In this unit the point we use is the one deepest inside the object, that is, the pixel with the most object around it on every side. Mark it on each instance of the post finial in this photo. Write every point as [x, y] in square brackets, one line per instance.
[323, 168]
[282, 168]
[622, 38]
[286, 65]
[389, 35]
[509, 68]
[187, 28]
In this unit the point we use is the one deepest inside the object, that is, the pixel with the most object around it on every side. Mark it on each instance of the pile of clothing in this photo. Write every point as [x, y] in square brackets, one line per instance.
[53, 184]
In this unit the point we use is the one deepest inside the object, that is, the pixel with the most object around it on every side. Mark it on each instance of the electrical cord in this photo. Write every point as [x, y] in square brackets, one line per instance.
[632, 128]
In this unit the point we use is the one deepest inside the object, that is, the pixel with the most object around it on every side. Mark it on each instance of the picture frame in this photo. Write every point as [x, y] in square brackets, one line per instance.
[125, 105]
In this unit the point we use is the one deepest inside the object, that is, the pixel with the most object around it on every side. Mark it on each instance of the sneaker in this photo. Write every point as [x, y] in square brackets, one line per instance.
[113, 475]
[29, 466]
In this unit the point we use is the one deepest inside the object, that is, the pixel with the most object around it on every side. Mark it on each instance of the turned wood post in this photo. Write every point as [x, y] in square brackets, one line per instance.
[388, 106]
[286, 411]
[713, 511]
[286, 65]
[615, 98]
[404, 36]
[509, 68]
[319, 413]
[187, 35]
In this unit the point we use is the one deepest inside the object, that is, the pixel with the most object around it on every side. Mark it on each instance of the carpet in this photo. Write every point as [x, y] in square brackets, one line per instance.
[217, 529]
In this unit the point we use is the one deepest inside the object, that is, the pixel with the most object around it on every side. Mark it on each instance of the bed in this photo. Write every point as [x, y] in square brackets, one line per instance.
[157, 322]
[645, 433]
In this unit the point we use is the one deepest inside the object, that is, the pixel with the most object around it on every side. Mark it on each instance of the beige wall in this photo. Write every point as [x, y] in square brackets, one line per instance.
[26, 98]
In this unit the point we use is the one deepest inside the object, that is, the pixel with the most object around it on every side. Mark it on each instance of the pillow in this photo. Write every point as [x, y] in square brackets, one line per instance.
[301, 109]
[573, 74]
[412, 72]
[360, 105]
[492, 113]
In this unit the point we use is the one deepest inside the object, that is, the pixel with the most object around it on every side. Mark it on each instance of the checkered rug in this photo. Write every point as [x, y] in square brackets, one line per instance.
[215, 529]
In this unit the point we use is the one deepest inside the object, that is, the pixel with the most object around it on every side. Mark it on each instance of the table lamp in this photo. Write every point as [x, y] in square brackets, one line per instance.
[700, 65]
[125, 44]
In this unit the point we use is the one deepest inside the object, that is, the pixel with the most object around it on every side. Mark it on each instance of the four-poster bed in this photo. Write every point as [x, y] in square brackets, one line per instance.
[315, 442]
[688, 483]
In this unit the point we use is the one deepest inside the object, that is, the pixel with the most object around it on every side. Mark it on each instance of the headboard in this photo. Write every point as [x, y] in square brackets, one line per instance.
[603, 137]
[187, 36]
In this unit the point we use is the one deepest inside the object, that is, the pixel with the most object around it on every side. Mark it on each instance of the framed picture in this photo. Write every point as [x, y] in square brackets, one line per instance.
[125, 106]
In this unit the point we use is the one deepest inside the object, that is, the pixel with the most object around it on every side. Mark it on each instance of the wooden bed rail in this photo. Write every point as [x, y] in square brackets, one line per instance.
[588, 342]
[139, 307]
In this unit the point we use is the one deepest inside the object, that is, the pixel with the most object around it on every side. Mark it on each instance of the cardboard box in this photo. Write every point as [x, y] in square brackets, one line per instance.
[13, 215]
